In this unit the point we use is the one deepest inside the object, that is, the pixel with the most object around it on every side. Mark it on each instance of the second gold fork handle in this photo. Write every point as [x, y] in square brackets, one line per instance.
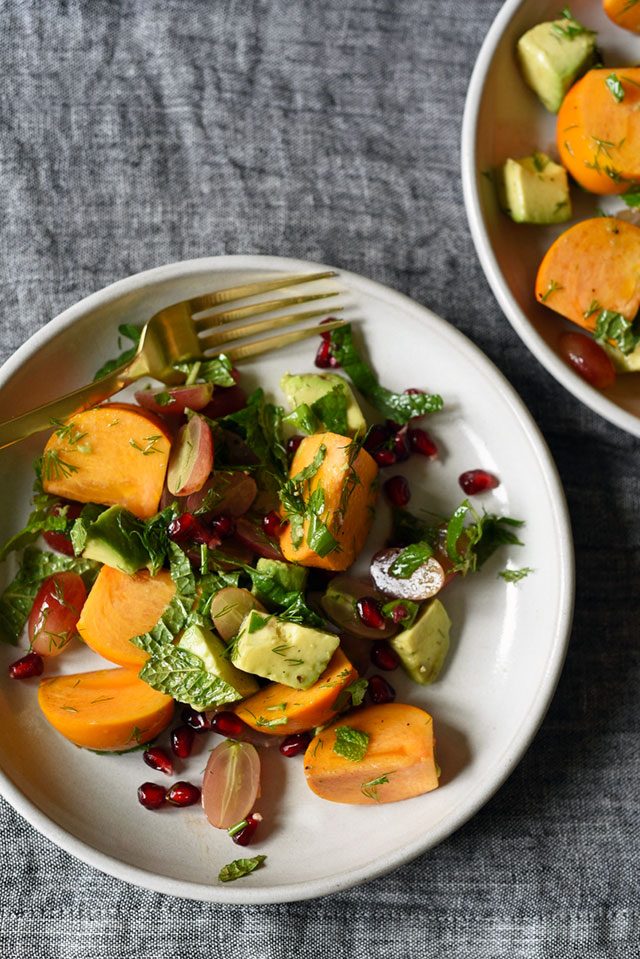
[44, 417]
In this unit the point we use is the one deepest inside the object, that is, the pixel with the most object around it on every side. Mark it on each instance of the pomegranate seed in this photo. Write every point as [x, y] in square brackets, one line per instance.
[413, 391]
[588, 359]
[158, 758]
[376, 437]
[223, 526]
[26, 668]
[401, 445]
[182, 741]
[183, 794]
[292, 444]
[329, 319]
[383, 656]
[477, 481]
[186, 527]
[151, 795]
[195, 720]
[323, 356]
[244, 836]
[228, 724]
[420, 442]
[272, 524]
[295, 744]
[397, 491]
[399, 613]
[380, 691]
[385, 457]
[370, 613]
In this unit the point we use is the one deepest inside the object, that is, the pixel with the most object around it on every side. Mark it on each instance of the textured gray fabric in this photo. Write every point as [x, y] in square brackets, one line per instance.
[135, 134]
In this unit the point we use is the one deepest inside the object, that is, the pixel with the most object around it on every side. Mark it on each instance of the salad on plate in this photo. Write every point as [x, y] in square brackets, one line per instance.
[212, 549]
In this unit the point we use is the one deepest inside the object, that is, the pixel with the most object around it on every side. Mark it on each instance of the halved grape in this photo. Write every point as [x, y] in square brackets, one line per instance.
[169, 401]
[229, 608]
[191, 459]
[55, 613]
[424, 583]
[339, 603]
[231, 783]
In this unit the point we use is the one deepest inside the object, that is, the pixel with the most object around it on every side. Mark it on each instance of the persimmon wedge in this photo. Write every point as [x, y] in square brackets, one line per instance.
[594, 265]
[114, 454]
[598, 135]
[120, 607]
[625, 13]
[281, 710]
[334, 531]
[398, 762]
[109, 709]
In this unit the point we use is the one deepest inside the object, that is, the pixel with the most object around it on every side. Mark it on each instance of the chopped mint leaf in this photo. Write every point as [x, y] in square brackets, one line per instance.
[40, 521]
[569, 28]
[163, 398]
[259, 424]
[470, 546]
[614, 326]
[632, 196]
[351, 743]
[302, 419]
[351, 695]
[515, 575]
[216, 370]
[181, 674]
[129, 332]
[410, 608]
[615, 87]
[331, 410]
[257, 622]
[239, 867]
[396, 406]
[410, 559]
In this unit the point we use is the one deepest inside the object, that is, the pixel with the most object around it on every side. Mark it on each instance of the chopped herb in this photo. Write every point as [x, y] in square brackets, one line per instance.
[351, 743]
[183, 675]
[351, 695]
[469, 547]
[400, 407]
[615, 87]
[614, 326]
[54, 467]
[331, 410]
[41, 520]
[568, 28]
[593, 308]
[410, 559]
[370, 789]
[540, 161]
[632, 196]
[553, 287]
[130, 332]
[257, 622]
[411, 609]
[164, 398]
[239, 867]
[216, 370]
[239, 826]
[515, 575]
[68, 432]
[150, 444]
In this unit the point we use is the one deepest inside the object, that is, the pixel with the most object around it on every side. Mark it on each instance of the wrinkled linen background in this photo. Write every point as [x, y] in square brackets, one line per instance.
[136, 134]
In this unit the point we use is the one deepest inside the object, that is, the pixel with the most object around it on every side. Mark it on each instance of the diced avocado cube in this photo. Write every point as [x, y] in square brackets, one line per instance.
[534, 189]
[115, 539]
[285, 576]
[623, 364]
[234, 684]
[553, 56]
[423, 648]
[283, 652]
[305, 389]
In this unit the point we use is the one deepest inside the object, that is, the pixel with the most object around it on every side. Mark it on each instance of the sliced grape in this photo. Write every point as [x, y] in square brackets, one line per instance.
[55, 613]
[191, 459]
[231, 783]
[424, 583]
[169, 401]
[228, 609]
[339, 603]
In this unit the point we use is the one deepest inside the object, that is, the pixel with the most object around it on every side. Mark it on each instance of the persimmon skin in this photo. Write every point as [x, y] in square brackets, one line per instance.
[623, 14]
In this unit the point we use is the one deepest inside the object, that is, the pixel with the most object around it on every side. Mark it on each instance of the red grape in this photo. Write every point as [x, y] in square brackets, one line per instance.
[588, 359]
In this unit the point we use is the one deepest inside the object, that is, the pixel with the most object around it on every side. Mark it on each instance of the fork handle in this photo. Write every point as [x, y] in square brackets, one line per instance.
[43, 417]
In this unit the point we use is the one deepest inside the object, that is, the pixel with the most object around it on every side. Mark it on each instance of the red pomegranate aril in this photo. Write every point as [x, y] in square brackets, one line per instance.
[420, 442]
[228, 724]
[295, 744]
[380, 691]
[329, 319]
[376, 437]
[272, 524]
[223, 526]
[588, 359]
[413, 391]
[383, 656]
[292, 444]
[385, 457]
[26, 668]
[195, 720]
[323, 356]
[401, 445]
[397, 491]
[158, 759]
[151, 795]
[183, 794]
[182, 741]
[369, 612]
[184, 527]
[477, 481]
[244, 836]
[399, 613]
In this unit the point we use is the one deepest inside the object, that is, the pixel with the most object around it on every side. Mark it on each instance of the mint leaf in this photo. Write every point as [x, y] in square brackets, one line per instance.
[331, 410]
[400, 407]
[177, 613]
[259, 424]
[216, 370]
[298, 611]
[181, 674]
[614, 326]
[351, 695]
[240, 867]
[615, 87]
[302, 419]
[515, 575]
[632, 196]
[410, 608]
[410, 559]
[40, 521]
[351, 743]
[17, 599]
[129, 332]
[469, 547]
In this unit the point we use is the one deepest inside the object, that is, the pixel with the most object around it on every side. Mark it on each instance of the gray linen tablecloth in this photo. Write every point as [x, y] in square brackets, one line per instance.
[135, 134]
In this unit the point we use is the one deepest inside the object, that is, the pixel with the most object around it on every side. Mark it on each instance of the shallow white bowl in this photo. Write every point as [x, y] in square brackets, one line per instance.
[504, 118]
[508, 640]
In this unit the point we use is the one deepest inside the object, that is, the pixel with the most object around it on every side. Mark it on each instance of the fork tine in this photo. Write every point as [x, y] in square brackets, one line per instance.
[260, 326]
[255, 309]
[207, 300]
[258, 347]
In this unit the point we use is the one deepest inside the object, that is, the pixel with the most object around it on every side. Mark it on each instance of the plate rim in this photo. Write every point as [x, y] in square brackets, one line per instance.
[522, 736]
[516, 316]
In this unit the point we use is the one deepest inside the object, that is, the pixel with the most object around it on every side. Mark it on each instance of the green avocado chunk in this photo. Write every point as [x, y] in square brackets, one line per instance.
[423, 648]
[629, 363]
[553, 56]
[114, 538]
[534, 189]
[281, 651]
[212, 651]
[306, 389]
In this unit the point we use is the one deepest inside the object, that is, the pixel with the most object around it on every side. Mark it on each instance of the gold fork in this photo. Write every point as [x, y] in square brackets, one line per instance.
[178, 333]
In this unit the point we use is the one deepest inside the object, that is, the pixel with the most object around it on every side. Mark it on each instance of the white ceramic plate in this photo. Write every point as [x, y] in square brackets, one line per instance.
[508, 640]
[504, 118]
